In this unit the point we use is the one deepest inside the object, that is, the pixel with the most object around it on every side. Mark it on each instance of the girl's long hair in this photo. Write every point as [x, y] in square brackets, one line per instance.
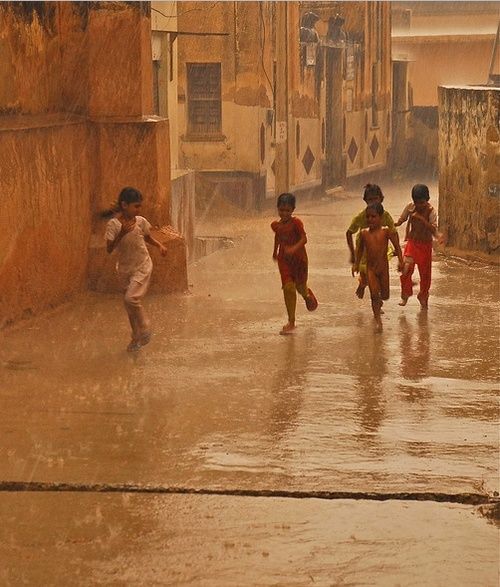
[128, 195]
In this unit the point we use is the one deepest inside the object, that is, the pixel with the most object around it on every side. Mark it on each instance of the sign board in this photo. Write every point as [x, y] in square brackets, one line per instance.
[281, 131]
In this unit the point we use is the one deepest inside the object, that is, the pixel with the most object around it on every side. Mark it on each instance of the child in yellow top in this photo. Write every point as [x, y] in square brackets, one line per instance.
[372, 195]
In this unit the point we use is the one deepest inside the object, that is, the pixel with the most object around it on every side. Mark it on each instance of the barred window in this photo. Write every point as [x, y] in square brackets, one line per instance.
[204, 99]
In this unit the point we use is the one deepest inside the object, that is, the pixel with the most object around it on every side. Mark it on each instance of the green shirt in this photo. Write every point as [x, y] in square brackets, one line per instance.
[359, 222]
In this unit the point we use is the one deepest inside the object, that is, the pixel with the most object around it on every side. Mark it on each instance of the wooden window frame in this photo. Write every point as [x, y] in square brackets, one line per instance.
[208, 102]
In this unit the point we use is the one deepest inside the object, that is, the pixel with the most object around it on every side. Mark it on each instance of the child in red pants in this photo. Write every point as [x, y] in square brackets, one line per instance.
[422, 227]
[290, 253]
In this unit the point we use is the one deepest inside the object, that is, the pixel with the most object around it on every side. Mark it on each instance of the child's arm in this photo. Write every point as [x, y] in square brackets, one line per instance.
[360, 249]
[405, 214]
[350, 244]
[152, 241]
[126, 227]
[276, 245]
[394, 238]
[292, 249]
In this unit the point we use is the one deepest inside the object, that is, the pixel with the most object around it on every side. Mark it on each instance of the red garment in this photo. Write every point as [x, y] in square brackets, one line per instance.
[421, 255]
[293, 268]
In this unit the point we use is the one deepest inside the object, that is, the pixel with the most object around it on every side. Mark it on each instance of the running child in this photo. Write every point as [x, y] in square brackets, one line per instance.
[290, 253]
[421, 228]
[372, 195]
[373, 242]
[128, 233]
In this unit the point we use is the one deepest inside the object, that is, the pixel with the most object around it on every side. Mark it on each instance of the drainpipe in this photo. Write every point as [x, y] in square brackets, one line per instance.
[282, 159]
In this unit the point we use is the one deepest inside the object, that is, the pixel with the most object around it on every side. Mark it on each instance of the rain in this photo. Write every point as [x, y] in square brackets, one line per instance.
[203, 384]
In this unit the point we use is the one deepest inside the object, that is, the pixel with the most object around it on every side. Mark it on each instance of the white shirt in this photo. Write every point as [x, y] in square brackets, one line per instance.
[133, 255]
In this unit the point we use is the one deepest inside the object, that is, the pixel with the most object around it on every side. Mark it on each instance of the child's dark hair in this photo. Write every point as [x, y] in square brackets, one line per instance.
[371, 190]
[128, 195]
[286, 199]
[420, 193]
[377, 208]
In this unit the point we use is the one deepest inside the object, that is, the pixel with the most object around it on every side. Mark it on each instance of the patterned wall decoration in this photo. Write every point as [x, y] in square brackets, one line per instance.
[308, 159]
[352, 151]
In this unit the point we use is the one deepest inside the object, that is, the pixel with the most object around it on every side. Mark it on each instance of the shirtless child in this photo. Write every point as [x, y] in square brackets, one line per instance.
[374, 241]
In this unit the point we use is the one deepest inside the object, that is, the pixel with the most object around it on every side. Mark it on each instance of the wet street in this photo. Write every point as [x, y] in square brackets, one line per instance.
[254, 458]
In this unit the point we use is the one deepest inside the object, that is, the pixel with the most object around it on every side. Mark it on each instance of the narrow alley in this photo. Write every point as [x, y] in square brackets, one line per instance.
[220, 423]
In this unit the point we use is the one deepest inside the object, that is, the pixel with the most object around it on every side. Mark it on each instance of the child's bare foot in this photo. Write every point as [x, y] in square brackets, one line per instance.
[133, 346]
[287, 329]
[360, 291]
[378, 324]
[403, 301]
[424, 303]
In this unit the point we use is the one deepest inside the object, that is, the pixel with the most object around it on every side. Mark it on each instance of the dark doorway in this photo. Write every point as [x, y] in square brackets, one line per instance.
[334, 169]
[400, 112]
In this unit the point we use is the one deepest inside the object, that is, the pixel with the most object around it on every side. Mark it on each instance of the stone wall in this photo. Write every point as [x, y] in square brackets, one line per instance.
[469, 168]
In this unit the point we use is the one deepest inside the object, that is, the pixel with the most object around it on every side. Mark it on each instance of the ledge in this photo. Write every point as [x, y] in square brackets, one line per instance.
[219, 138]
[9, 122]
[43, 120]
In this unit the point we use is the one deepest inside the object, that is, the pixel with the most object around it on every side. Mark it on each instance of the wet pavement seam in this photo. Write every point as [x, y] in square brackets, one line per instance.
[461, 498]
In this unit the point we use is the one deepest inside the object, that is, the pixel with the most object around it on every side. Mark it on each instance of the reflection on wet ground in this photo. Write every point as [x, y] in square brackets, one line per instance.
[219, 399]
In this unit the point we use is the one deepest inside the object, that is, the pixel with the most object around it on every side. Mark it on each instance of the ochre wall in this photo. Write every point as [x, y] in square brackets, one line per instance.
[72, 134]
[436, 63]
[46, 186]
[469, 168]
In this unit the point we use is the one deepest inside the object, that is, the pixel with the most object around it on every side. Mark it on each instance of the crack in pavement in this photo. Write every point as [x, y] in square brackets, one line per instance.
[34, 486]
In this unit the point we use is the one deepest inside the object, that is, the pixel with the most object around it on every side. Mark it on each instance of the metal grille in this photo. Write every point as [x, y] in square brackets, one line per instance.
[204, 99]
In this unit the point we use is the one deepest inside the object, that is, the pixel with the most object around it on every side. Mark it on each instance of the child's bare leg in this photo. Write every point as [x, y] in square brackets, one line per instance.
[406, 280]
[134, 327]
[360, 290]
[137, 318]
[290, 295]
[309, 297]
[377, 311]
[375, 288]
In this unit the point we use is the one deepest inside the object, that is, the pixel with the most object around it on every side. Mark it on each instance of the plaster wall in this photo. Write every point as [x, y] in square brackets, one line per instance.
[469, 168]
[71, 138]
[448, 61]
[44, 234]
[310, 138]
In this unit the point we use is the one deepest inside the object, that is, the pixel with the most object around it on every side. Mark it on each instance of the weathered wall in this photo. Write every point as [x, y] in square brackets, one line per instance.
[44, 233]
[72, 134]
[469, 168]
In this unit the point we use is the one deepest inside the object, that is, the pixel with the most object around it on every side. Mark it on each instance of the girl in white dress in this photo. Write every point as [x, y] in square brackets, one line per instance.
[128, 233]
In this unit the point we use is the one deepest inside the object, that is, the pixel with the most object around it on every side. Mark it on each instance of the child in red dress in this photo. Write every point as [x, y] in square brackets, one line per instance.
[290, 253]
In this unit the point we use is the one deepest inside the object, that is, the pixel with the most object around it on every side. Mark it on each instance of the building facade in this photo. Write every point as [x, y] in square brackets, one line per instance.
[281, 96]
[76, 126]
[433, 44]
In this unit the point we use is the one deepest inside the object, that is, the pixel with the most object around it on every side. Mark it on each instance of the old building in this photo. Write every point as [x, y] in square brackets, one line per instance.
[433, 44]
[76, 126]
[277, 96]
[165, 91]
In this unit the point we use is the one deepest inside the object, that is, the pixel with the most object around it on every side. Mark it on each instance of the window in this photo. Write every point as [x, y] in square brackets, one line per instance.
[204, 99]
